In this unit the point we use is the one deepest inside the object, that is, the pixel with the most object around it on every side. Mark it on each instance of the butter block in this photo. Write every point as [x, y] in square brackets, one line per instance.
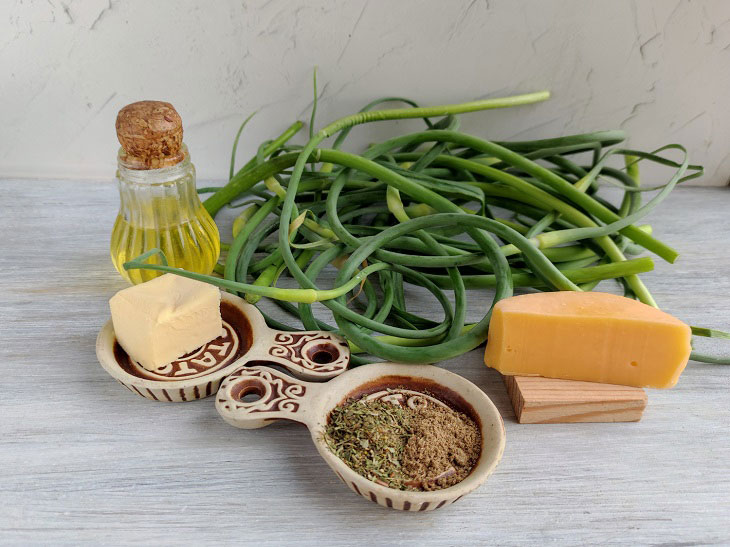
[165, 318]
[589, 336]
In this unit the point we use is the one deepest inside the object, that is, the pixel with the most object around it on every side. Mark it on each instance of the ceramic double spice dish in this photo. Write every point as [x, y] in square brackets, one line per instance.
[246, 341]
[282, 397]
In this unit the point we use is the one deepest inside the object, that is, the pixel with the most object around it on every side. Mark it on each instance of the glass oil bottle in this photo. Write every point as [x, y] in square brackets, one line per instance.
[159, 205]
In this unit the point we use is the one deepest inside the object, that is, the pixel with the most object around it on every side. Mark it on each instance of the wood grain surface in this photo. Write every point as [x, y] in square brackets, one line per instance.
[84, 461]
[538, 400]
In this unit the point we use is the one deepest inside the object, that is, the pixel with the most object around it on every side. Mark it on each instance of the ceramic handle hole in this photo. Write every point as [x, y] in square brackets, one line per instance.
[248, 391]
[323, 353]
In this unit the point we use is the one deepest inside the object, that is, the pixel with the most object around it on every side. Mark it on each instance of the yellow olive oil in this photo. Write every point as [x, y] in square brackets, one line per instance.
[190, 243]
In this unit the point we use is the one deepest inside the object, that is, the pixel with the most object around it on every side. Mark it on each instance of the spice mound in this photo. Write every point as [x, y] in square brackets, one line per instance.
[404, 439]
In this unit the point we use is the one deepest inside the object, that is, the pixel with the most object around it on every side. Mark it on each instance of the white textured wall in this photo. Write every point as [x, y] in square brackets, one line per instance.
[659, 69]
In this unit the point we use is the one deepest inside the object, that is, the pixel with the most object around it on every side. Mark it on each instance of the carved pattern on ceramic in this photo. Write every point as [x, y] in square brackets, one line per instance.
[277, 393]
[301, 349]
[405, 398]
[204, 360]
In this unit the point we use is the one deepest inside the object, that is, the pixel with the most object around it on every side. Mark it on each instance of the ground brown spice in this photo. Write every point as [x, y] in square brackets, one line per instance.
[443, 448]
[428, 447]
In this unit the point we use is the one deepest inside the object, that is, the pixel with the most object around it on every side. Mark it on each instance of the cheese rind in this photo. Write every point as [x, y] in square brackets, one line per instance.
[165, 318]
[589, 336]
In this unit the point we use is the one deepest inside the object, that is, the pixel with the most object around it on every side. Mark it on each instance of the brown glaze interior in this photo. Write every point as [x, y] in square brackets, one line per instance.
[230, 314]
[323, 353]
[251, 386]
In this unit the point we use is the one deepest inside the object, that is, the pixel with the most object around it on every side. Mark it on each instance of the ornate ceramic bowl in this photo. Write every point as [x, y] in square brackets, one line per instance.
[246, 340]
[281, 397]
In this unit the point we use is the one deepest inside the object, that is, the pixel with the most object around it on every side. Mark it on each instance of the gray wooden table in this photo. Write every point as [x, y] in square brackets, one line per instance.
[83, 460]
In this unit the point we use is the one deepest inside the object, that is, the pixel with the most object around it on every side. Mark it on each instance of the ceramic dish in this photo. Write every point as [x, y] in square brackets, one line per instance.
[281, 397]
[311, 355]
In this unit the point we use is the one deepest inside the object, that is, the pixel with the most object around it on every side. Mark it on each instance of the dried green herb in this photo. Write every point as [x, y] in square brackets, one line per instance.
[370, 438]
[424, 448]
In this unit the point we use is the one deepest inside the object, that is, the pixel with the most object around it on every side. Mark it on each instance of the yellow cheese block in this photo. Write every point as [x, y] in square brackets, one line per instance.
[589, 336]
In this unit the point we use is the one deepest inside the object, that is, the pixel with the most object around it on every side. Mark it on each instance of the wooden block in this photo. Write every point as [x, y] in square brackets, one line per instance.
[538, 400]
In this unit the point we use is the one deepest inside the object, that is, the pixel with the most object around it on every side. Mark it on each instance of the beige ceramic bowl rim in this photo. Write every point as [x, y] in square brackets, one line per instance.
[488, 413]
[105, 351]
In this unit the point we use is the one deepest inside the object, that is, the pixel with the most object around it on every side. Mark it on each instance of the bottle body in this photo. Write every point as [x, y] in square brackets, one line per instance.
[160, 208]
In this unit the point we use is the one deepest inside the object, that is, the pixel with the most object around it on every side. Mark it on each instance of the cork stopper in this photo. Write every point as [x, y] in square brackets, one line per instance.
[150, 133]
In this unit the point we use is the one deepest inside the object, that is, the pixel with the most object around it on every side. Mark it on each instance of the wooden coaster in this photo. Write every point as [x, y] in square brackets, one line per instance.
[538, 400]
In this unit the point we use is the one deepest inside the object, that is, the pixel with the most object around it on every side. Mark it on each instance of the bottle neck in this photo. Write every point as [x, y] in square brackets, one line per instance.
[158, 198]
[128, 169]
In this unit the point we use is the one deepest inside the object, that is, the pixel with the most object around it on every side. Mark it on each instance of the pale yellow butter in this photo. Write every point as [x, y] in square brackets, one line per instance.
[165, 318]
